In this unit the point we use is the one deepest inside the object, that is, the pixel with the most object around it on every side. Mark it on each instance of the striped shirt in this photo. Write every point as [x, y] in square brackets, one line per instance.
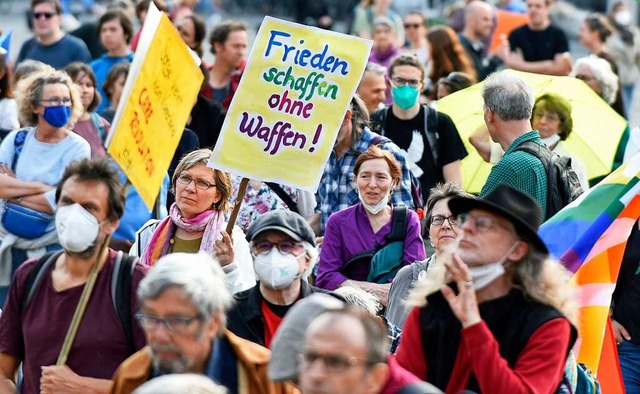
[520, 170]
[337, 188]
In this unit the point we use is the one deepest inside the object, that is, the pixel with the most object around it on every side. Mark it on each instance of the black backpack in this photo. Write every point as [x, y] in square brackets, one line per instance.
[563, 185]
[120, 286]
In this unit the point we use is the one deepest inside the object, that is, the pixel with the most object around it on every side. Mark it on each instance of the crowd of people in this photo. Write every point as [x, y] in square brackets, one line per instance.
[391, 278]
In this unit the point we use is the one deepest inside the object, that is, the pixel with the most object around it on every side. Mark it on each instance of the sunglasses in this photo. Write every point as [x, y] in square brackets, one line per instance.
[46, 15]
[412, 25]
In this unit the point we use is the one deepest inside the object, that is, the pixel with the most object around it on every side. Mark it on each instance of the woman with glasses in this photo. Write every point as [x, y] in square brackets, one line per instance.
[32, 161]
[90, 126]
[353, 233]
[196, 222]
[443, 231]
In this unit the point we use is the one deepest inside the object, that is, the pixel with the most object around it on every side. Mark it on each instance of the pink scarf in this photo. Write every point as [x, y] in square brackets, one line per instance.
[210, 221]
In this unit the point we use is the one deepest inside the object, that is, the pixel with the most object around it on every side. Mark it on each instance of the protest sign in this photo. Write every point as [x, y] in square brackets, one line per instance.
[161, 88]
[292, 98]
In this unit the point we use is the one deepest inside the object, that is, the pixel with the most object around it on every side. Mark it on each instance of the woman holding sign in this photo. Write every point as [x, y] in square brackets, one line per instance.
[366, 244]
[196, 222]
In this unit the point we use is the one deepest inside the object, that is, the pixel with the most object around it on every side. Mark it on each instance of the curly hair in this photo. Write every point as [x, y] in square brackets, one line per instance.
[539, 277]
[603, 73]
[448, 54]
[30, 90]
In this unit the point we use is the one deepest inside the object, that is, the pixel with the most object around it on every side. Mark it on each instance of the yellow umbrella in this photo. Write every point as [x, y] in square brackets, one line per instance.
[597, 128]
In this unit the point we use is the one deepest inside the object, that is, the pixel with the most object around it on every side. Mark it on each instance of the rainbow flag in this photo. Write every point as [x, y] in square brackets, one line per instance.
[589, 237]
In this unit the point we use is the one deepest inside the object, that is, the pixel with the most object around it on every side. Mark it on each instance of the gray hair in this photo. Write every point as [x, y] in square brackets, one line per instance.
[198, 276]
[359, 117]
[603, 73]
[376, 69]
[359, 298]
[182, 383]
[508, 95]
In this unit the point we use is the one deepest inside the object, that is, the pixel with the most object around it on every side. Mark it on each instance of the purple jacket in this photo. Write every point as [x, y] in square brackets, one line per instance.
[348, 232]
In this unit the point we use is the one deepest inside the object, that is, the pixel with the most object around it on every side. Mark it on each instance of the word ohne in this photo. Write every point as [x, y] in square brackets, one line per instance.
[305, 86]
[284, 104]
[275, 136]
[304, 57]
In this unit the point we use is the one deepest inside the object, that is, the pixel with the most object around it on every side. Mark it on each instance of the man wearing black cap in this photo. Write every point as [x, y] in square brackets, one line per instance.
[283, 247]
[498, 322]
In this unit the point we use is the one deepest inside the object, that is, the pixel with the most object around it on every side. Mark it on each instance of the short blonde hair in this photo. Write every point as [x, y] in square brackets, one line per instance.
[223, 179]
[30, 90]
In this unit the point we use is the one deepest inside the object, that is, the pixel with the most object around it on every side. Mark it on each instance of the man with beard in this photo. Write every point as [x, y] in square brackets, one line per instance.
[183, 303]
[36, 318]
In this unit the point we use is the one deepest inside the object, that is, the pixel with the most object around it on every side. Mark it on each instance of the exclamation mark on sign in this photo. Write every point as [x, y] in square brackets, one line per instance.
[316, 137]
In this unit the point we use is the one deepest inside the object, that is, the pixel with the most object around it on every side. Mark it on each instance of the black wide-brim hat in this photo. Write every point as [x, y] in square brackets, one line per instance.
[518, 207]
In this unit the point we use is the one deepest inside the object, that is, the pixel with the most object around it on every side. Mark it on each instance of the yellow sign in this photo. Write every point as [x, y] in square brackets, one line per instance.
[292, 98]
[160, 90]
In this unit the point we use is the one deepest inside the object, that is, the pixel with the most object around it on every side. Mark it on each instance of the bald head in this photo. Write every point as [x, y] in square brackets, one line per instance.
[478, 20]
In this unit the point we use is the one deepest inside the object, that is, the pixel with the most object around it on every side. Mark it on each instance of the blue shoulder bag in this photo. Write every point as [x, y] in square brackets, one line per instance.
[24, 222]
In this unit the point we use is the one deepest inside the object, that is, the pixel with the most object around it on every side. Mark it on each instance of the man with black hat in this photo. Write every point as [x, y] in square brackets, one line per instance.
[498, 319]
[283, 247]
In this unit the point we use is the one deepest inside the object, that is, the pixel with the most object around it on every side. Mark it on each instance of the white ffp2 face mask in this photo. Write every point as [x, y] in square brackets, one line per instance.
[485, 274]
[374, 209]
[77, 228]
[276, 270]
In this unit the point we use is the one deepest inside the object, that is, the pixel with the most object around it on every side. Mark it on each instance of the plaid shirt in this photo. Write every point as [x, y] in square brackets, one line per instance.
[337, 188]
[521, 171]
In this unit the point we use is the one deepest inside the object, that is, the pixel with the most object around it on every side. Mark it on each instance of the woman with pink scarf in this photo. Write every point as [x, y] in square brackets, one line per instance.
[196, 222]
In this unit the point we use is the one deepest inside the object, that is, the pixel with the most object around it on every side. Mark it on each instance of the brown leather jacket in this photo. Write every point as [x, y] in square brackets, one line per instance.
[252, 371]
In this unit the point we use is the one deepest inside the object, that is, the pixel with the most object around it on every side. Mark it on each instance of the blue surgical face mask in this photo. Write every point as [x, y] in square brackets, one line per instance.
[405, 96]
[57, 115]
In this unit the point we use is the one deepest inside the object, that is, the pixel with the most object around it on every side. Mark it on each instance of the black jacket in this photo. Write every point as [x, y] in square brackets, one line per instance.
[245, 317]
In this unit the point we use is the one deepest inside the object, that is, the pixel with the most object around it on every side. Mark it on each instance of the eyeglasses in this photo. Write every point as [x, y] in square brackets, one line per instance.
[482, 223]
[549, 116]
[284, 247]
[175, 324]
[55, 101]
[200, 184]
[397, 81]
[332, 362]
[438, 220]
[46, 15]
[412, 25]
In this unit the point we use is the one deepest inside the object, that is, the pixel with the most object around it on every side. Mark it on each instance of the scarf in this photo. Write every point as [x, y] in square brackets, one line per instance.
[210, 221]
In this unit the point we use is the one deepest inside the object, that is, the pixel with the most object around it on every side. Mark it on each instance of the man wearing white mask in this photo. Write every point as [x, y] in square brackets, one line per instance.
[283, 248]
[45, 292]
[496, 317]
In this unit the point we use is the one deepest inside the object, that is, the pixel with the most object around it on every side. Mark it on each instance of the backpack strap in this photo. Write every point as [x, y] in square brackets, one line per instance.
[431, 130]
[284, 196]
[398, 223]
[18, 144]
[97, 123]
[121, 291]
[36, 276]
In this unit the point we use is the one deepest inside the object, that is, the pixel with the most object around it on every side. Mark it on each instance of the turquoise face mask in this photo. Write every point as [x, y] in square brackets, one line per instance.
[405, 96]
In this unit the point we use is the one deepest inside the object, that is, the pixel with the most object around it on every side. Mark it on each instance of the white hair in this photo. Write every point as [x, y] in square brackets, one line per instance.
[358, 297]
[184, 383]
[603, 73]
[200, 278]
